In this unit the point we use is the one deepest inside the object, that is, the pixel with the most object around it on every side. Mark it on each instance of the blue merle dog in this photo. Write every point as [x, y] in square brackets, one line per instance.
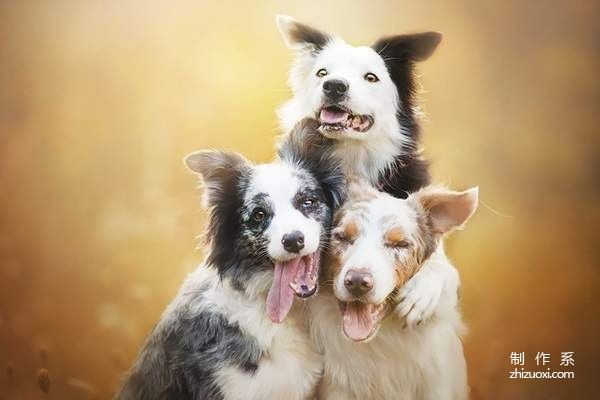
[234, 330]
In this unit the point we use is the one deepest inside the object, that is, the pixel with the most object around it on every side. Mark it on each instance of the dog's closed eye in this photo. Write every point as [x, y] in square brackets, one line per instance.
[342, 237]
[398, 244]
[396, 239]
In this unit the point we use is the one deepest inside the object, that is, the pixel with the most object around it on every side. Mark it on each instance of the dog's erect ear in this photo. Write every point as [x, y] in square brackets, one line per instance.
[411, 47]
[301, 37]
[448, 210]
[219, 171]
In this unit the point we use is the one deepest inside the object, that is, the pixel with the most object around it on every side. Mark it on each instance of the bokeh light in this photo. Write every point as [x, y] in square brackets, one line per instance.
[100, 100]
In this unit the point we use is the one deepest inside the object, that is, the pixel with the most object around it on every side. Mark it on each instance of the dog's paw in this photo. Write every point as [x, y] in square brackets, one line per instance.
[419, 298]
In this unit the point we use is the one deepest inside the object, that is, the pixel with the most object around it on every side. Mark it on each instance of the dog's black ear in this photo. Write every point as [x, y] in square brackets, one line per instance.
[307, 147]
[411, 47]
[302, 37]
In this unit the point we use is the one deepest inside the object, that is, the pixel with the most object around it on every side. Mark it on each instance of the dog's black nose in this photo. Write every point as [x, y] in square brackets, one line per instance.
[335, 89]
[293, 242]
[358, 282]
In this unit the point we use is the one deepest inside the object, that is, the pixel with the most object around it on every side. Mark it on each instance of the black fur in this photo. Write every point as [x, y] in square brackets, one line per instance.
[409, 172]
[400, 53]
[300, 33]
[406, 175]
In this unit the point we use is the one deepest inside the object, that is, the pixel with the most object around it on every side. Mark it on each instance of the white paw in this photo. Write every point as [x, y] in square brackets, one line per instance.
[419, 298]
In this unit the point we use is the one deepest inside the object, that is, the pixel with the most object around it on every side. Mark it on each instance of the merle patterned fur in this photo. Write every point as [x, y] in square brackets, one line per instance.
[192, 341]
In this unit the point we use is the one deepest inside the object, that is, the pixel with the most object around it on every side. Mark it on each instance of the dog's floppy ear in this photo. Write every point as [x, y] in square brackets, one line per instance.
[307, 147]
[301, 37]
[410, 47]
[447, 210]
[219, 171]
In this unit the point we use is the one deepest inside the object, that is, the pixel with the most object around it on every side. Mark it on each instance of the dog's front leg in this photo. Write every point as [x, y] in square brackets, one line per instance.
[432, 289]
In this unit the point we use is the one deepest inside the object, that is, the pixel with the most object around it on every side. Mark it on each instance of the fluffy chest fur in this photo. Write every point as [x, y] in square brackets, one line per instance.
[422, 363]
[214, 342]
[289, 367]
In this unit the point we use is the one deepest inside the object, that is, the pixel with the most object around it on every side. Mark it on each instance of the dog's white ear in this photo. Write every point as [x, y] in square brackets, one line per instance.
[219, 170]
[410, 47]
[448, 210]
[300, 37]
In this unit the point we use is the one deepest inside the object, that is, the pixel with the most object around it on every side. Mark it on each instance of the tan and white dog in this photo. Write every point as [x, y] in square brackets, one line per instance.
[378, 243]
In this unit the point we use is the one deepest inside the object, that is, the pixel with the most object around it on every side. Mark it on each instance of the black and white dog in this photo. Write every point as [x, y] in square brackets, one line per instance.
[362, 103]
[364, 99]
[224, 336]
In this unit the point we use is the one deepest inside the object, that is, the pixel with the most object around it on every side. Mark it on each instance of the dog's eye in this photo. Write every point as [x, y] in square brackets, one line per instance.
[400, 244]
[258, 215]
[371, 77]
[322, 72]
[341, 236]
[308, 203]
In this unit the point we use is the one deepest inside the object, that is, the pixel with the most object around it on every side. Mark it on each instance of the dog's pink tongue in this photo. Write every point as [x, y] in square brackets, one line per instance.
[333, 116]
[281, 295]
[358, 322]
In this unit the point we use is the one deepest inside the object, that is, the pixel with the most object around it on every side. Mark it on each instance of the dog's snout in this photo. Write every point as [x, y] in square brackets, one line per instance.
[358, 282]
[335, 89]
[293, 242]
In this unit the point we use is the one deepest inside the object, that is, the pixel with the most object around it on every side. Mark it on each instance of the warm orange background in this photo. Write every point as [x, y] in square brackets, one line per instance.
[100, 100]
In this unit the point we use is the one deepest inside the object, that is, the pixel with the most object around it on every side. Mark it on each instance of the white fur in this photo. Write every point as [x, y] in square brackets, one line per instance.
[433, 290]
[425, 363]
[281, 184]
[292, 367]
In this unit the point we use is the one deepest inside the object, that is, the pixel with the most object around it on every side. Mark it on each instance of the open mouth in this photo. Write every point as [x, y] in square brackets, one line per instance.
[361, 320]
[340, 118]
[295, 277]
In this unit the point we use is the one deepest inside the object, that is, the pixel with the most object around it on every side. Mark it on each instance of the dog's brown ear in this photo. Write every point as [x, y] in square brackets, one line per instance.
[447, 210]
[301, 37]
[219, 171]
[410, 47]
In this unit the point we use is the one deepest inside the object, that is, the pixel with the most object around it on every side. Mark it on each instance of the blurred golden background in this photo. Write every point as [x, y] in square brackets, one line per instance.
[100, 100]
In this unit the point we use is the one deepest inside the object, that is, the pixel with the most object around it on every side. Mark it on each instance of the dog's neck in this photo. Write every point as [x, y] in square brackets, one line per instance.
[368, 158]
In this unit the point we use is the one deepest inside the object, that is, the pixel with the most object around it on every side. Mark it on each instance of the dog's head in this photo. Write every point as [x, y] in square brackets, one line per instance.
[353, 91]
[379, 242]
[267, 223]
